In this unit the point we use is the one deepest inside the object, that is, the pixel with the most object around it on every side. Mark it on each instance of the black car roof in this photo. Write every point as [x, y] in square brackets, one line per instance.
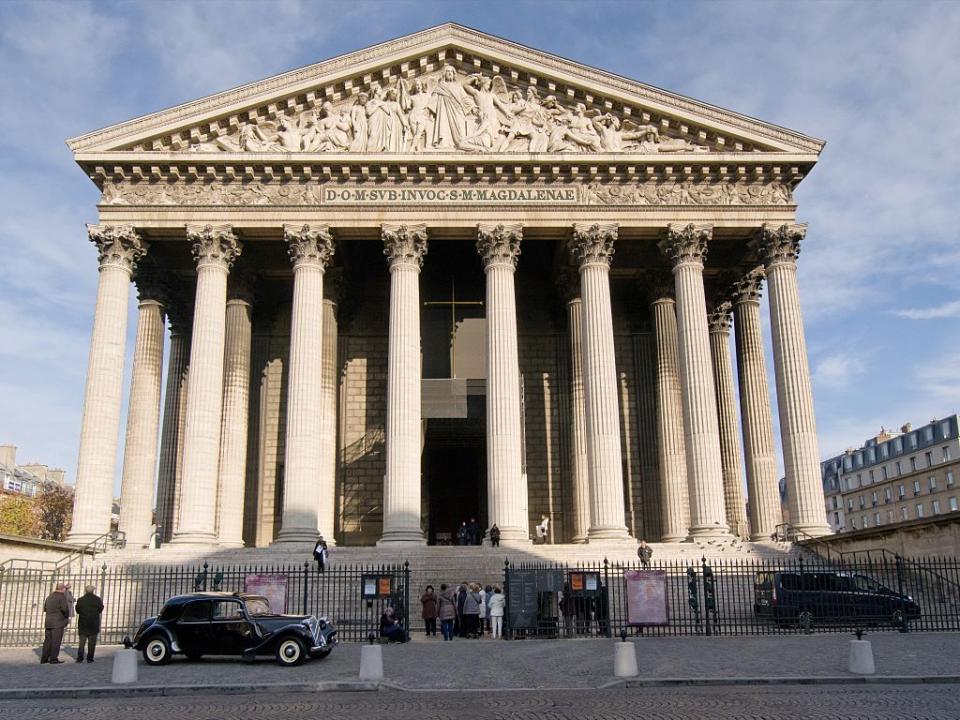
[181, 599]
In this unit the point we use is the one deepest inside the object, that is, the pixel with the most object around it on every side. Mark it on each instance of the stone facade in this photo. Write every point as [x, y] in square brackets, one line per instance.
[606, 407]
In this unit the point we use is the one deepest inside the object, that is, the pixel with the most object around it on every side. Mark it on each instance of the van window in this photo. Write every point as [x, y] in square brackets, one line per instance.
[866, 584]
[763, 581]
[790, 581]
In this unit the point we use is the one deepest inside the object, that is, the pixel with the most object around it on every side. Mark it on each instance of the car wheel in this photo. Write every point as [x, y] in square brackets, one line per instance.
[805, 620]
[156, 651]
[290, 651]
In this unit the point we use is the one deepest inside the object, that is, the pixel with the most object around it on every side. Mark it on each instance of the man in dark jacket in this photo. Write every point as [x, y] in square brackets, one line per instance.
[89, 608]
[56, 613]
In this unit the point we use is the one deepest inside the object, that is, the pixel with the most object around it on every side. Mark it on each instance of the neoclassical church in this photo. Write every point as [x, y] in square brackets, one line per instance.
[445, 278]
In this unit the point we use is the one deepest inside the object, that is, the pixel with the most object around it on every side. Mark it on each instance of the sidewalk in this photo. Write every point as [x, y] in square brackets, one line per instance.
[429, 664]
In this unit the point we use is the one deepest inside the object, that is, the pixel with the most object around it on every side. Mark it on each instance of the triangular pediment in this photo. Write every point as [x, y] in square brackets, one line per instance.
[448, 89]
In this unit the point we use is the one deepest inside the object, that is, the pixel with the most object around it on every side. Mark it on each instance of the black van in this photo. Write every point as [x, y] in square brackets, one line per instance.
[814, 597]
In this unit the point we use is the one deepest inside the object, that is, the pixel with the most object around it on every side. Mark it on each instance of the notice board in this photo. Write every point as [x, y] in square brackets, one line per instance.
[272, 587]
[646, 597]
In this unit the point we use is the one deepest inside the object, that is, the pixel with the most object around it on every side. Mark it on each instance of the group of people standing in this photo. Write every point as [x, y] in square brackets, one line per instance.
[59, 610]
[470, 533]
[466, 611]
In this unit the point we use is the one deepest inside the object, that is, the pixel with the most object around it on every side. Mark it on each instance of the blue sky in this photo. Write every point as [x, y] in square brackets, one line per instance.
[878, 81]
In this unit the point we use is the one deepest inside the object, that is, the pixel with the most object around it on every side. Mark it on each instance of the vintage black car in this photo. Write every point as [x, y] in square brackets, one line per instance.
[217, 623]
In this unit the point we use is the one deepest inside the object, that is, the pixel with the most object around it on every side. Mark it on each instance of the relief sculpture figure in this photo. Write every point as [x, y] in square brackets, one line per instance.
[358, 124]
[450, 105]
[489, 94]
[419, 116]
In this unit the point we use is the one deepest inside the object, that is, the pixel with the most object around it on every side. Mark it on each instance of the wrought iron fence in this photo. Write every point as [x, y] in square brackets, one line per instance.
[132, 594]
[732, 597]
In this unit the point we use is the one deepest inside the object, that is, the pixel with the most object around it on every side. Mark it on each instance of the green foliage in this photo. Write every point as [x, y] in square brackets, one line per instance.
[18, 516]
[54, 511]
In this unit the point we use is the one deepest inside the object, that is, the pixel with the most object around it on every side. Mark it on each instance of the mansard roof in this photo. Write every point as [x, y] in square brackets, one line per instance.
[632, 118]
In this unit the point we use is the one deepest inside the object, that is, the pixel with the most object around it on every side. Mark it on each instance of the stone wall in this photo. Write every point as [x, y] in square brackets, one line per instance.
[930, 537]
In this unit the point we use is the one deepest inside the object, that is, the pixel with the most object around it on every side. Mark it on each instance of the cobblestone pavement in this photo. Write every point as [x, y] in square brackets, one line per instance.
[793, 702]
[468, 664]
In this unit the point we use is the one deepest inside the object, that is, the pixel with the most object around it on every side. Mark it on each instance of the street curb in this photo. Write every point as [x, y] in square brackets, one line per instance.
[796, 680]
[128, 691]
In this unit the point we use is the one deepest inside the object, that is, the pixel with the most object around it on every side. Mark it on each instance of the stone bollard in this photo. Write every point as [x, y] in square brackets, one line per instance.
[861, 657]
[371, 661]
[625, 658]
[125, 666]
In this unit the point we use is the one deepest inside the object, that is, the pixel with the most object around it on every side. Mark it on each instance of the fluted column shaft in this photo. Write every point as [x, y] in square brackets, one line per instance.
[592, 247]
[215, 249]
[327, 508]
[674, 496]
[143, 421]
[686, 247]
[119, 247]
[727, 415]
[763, 492]
[780, 247]
[580, 470]
[404, 247]
[169, 473]
[311, 250]
[236, 405]
[499, 247]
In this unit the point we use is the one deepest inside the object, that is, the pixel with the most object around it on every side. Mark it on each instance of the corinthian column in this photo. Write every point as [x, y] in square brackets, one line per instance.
[674, 496]
[719, 321]
[214, 249]
[763, 492]
[120, 248]
[779, 247]
[579, 467]
[499, 247]
[592, 247]
[310, 250]
[236, 406]
[686, 247]
[143, 413]
[327, 508]
[404, 246]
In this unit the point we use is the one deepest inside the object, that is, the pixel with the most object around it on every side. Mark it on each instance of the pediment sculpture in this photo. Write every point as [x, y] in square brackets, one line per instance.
[448, 112]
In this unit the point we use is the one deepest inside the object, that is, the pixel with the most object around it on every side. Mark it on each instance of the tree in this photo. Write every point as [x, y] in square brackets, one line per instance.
[17, 515]
[54, 510]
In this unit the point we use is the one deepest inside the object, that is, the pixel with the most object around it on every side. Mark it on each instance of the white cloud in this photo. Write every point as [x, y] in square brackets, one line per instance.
[946, 310]
[838, 371]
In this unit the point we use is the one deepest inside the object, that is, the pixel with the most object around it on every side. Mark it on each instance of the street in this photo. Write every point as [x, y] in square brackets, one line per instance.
[796, 702]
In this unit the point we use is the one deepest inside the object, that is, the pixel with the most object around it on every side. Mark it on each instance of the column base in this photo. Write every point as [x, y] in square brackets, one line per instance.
[514, 535]
[814, 530]
[609, 535]
[579, 540]
[710, 532]
[232, 544]
[761, 537]
[402, 537]
[297, 535]
[673, 538]
[194, 538]
[81, 538]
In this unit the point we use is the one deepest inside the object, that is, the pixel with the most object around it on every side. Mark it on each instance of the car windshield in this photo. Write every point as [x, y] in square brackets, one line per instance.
[868, 585]
[258, 606]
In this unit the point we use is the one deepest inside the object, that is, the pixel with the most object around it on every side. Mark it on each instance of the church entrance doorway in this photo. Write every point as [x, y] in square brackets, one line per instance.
[454, 477]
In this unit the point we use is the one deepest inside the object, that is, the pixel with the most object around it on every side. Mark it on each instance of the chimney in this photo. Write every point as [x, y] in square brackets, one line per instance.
[56, 475]
[906, 427]
[8, 455]
[36, 469]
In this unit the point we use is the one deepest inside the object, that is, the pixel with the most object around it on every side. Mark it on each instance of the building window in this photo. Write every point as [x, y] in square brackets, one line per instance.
[933, 482]
[862, 503]
[928, 433]
[904, 513]
[901, 491]
[848, 463]
[913, 463]
[872, 477]
[913, 441]
[898, 446]
[872, 455]
[836, 520]
[876, 519]
[849, 504]
[836, 503]
[889, 516]
[859, 459]
[885, 451]
[945, 428]
[873, 498]
[919, 510]
[929, 459]
[887, 495]
[949, 478]
[859, 480]
[916, 487]
[899, 469]
[946, 452]
[936, 507]
[886, 475]
[953, 504]
[853, 523]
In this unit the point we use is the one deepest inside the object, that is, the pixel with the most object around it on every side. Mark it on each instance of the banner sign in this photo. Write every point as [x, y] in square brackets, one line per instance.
[272, 587]
[646, 597]
[448, 196]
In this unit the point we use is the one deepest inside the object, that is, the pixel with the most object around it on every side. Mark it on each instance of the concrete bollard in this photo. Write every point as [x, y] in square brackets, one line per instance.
[125, 666]
[861, 657]
[625, 660]
[371, 662]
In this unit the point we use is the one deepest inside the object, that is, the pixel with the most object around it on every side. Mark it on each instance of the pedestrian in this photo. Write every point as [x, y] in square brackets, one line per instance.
[644, 552]
[568, 608]
[390, 627]
[446, 611]
[56, 614]
[89, 608]
[461, 599]
[482, 616]
[320, 554]
[462, 534]
[543, 529]
[473, 532]
[494, 536]
[487, 594]
[496, 606]
[429, 602]
[471, 611]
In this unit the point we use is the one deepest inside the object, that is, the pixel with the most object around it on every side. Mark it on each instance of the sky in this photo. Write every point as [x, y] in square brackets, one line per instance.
[878, 81]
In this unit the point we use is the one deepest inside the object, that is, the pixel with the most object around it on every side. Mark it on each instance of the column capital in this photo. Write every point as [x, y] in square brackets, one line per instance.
[779, 244]
[213, 245]
[152, 285]
[686, 244]
[309, 245]
[749, 287]
[499, 244]
[592, 244]
[404, 244]
[119, 246]
[720, 317]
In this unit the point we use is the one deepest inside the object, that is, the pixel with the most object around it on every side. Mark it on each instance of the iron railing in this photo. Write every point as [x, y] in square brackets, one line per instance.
[133, 593]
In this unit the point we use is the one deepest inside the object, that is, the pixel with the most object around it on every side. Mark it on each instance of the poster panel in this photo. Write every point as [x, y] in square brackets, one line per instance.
[646, 597]
[272, 587]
